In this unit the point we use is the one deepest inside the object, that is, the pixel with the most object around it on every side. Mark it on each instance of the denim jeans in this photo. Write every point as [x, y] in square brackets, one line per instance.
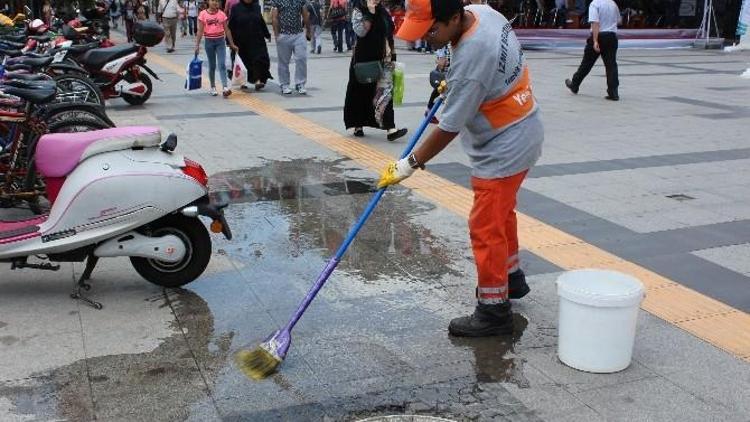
[216, 50]
[193, 25]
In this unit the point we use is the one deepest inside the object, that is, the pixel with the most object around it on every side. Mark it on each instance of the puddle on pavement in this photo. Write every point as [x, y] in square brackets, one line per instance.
[319, 206]
[159, 385]
[494, 360]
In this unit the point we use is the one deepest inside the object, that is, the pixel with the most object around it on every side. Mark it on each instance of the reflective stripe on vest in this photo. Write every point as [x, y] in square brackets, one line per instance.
[512, 107]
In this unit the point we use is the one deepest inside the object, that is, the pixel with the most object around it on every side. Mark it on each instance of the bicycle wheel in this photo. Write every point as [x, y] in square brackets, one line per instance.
[75, 88]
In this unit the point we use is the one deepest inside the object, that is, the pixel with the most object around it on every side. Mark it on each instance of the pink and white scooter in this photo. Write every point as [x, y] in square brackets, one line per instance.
[118, 192]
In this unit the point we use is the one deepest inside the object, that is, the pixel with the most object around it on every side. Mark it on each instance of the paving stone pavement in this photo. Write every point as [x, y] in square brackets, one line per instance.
[660, 179]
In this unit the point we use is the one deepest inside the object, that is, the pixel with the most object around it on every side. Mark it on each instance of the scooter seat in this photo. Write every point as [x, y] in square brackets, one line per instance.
[26, 77]
[98, 57]
[31, 61]
[10, 53]
[13, 38]
[40, 38]
[14, 45]
[19, 83]
[77, 49]
[35, 95]
[57, 154]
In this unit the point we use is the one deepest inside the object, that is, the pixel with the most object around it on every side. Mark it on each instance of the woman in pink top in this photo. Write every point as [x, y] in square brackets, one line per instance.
[212, 23]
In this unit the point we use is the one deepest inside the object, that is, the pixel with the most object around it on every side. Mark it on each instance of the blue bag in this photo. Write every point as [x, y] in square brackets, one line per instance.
[194, 74]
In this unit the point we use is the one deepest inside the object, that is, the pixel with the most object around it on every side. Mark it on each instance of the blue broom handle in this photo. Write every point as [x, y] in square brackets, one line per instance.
[334, 261]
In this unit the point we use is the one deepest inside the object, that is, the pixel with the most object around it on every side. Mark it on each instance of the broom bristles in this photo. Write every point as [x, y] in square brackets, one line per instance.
[258, 363]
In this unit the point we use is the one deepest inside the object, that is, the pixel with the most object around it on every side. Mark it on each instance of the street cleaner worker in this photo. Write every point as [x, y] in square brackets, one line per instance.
[490, 103]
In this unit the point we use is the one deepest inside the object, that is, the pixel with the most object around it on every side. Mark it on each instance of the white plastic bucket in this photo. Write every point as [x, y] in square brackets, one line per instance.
[598, 313]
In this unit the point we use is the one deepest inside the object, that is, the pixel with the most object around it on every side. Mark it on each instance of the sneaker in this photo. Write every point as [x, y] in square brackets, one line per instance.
[358, 132]
[226, 92]
[517, 287]
[286, 90]
[213, 92]
[487, 320]
[246, 85]
[259, 85]
[571, 87]
[301, 89]
[613, 97]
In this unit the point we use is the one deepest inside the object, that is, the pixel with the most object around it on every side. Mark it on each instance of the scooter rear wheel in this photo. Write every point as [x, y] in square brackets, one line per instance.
[197, 255]
[134, 99]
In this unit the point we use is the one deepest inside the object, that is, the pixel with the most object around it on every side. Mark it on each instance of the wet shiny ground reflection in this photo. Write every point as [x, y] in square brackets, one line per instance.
[373, 343]
[316, 206]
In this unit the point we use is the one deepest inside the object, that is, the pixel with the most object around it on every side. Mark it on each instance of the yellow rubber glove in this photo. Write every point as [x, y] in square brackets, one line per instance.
[395, 172]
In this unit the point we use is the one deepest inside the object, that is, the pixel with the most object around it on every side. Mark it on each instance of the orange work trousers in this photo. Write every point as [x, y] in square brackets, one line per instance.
[494, 234]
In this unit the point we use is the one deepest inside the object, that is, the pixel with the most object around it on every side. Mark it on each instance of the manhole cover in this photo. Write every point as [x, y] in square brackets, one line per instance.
[405, 418]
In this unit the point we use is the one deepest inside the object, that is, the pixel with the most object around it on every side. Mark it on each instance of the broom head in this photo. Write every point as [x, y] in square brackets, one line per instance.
[262, 361]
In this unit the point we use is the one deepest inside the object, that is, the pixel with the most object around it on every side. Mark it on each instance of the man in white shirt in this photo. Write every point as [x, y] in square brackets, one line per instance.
[604, 16]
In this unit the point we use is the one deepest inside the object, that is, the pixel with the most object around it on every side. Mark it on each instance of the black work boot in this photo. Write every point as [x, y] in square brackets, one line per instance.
[517, 287]
[487, 320]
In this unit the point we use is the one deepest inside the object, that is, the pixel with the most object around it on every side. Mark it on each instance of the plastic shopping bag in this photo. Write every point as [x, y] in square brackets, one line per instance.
[239, 73]
[194, 73]
[398, 84]
[228, 58]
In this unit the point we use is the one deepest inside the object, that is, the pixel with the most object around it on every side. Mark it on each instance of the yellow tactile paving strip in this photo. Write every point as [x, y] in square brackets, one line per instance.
[721, 325]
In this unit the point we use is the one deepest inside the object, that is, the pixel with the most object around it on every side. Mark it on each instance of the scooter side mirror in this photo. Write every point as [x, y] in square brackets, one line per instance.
[170, 143]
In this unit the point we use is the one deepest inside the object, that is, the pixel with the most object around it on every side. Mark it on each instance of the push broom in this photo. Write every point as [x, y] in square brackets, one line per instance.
[262, 361]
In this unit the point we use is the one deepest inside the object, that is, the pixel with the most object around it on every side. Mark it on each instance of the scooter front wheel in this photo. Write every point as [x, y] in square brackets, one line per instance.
[197, 242]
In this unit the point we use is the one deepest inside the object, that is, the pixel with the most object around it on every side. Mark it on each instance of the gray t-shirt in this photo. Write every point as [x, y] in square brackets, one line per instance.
[489, 99]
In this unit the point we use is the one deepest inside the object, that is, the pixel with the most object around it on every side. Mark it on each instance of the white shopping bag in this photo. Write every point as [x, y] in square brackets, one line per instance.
[239, 73]
[228, 58]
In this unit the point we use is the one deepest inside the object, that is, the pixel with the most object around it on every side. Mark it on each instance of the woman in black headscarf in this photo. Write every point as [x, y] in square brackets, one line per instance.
[374, 28]
[250, 33]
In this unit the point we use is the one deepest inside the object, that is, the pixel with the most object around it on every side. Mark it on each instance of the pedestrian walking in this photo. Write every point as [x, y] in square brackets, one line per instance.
[250, 33]
[604, 16]
[290, 19]
[316, 26]
[490, 102]
[167, 14]
[442, 63]
[374, 29]
[129, 16]
[349, 36]
[212, 23]
[336, 17]
[182, 16]
[115, 11]
[192, 16]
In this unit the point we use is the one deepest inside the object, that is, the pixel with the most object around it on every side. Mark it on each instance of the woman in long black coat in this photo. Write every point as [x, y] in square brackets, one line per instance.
[374, 28]
[250, 33]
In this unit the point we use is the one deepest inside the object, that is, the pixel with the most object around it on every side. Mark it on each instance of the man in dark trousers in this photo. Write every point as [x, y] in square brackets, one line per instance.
[604, 16]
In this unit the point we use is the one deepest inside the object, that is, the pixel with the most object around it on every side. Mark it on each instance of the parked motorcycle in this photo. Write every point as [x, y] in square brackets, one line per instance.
[118, 192]
[118, 70]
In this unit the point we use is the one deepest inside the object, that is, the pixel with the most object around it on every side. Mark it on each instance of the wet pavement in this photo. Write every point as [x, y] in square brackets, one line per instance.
[374, 342]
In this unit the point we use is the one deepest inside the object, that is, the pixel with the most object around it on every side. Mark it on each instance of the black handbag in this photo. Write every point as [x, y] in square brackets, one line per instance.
[436, 77]
[368, 72]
